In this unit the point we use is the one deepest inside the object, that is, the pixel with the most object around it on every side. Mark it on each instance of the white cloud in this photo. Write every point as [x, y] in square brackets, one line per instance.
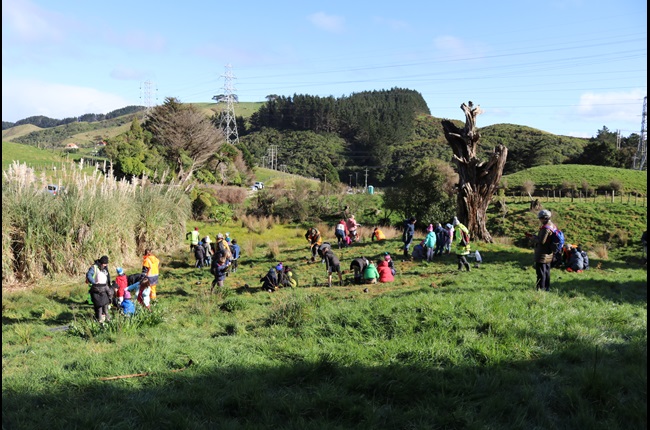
[610, 107]
[331, 23]
[25, 98]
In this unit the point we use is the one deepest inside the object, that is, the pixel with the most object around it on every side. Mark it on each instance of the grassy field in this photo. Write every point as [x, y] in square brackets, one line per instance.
[434, 349]
[552, 177]
[32, 156]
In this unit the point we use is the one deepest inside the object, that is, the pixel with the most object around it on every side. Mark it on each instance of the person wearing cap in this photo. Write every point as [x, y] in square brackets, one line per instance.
[122, 282]
[407, 235]
[543, 250]
[341, 232]
[462, 248]
[222, 249]
[236, 252]
[391, 264]
[430, 243]
[150, 265]
[100, 291]
[194, 237]
[228, 237]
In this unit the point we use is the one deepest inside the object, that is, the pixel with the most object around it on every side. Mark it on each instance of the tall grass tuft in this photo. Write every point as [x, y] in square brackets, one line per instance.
[601, 251]
[96, 215]
[274, 249]
[258, 225]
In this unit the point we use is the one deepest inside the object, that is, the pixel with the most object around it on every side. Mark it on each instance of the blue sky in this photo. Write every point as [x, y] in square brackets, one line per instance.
[567, 67]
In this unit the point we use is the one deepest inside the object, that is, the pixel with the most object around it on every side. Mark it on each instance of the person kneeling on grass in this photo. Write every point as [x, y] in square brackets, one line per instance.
[270, 280]
[576, 262]
[127, 306]
[370, 274]
[385, 274]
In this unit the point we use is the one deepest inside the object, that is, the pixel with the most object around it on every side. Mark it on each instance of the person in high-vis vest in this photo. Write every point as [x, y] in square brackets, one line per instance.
[100, 291]
[150, 265]
[194, 238]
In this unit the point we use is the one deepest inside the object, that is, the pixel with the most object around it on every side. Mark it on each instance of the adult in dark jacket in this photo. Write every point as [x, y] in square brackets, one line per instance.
[199, 254]
[358, 265]
[543, 250]
[100, 290]
[440, 239]
[407, 235]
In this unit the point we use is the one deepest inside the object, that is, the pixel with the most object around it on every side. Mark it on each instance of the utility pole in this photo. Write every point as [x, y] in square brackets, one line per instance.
[350, 180]
[273, 156]
[618, 139]
[366, 179]
[356, 179]
[228, 122]
[639, 160]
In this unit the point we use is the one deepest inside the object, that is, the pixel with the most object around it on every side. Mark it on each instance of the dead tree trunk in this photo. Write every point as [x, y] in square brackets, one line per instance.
[478, 180]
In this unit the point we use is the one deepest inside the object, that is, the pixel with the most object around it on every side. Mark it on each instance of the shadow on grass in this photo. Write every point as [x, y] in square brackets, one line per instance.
[578, 386]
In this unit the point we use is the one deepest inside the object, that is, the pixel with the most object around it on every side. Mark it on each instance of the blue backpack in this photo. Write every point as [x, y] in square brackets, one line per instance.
[557, 240]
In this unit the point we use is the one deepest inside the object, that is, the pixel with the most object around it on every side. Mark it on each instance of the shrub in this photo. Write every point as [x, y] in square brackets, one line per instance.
[528, 187]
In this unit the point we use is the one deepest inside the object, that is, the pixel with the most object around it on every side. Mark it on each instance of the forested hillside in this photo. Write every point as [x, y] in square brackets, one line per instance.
[378, 135]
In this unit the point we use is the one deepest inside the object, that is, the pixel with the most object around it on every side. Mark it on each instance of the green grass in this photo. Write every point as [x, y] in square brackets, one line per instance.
[32, 156]
[434, 349]
[597, 177]
[269, 177]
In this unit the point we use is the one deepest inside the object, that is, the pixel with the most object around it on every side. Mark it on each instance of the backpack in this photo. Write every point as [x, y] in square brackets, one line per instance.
[223, 250]
[557, 240]
[464, 238]
[585, 259]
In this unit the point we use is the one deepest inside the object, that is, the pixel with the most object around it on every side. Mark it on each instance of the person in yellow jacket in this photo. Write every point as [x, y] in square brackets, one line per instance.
[150, 265]
[378, 235]
[461, 239]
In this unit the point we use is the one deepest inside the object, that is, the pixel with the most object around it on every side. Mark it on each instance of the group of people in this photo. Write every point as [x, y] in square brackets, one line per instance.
[364, 270]
[346, 232]
[367, 272]
[222, 256]
[439, 241]
[105, 294]
[278, 276]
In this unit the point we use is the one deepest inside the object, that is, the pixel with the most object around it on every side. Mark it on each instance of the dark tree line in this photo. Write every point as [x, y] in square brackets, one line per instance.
[46, 122]
[370, 123]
